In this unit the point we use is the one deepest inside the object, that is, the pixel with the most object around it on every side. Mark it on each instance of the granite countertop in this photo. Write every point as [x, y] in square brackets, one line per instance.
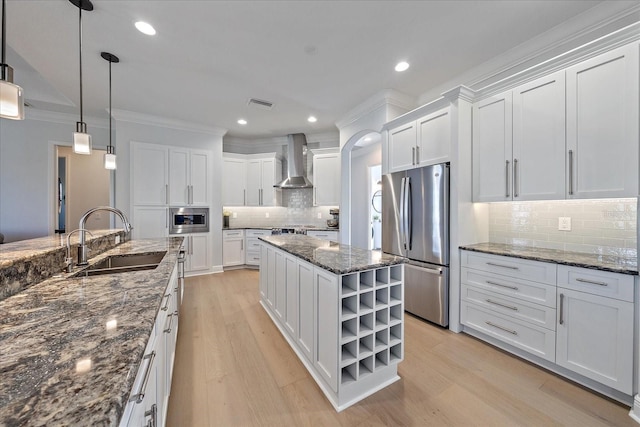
[332, 256]
[611, 263]
[71, 347]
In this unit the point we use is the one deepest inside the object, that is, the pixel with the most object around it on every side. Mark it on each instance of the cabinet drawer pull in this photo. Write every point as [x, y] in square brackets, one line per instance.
[167, 329]
[506, 177]
[570, 172]
[165, 307]
[592, 282]
[503, 266]
[515, 288]
[561, 317]
[510, 307]
[515, 178]
[413, 155]
[417, 155]
[139, 396]
[511, 331]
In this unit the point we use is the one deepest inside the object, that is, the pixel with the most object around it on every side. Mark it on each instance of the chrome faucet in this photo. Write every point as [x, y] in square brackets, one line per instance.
[68, 262]
[82, 248]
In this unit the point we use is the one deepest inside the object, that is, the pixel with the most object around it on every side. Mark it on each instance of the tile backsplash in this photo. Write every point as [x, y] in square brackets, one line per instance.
[604, 226]
[297, 209]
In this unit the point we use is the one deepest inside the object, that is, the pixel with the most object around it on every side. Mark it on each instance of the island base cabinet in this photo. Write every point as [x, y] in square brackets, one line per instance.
[346, 329]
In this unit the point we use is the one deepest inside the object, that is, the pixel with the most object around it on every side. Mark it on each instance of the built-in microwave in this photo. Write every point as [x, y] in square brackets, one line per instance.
[188, 220]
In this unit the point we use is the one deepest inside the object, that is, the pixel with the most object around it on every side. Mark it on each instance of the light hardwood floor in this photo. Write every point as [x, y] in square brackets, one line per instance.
[233, 368]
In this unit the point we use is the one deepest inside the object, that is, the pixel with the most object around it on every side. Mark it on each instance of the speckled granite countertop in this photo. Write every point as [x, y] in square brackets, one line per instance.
[55, 330]
[332, 256]
[577, 259]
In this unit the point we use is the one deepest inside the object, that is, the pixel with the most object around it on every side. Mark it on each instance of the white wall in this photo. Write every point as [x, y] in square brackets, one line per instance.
[361, 160]
[27, 171]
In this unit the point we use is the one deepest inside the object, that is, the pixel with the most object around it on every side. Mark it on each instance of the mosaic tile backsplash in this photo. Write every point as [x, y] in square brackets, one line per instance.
[297, 209]
[604, 226]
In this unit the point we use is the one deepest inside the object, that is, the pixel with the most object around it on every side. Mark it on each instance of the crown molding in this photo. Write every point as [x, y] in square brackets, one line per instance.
[64, 118]
[151, 120]
[381, 99]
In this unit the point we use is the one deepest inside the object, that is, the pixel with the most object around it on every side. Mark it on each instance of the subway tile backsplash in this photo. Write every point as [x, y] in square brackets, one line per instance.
[297, 209]
[604, 226]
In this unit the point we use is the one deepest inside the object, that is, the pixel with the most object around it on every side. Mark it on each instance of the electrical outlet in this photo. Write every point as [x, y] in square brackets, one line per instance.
[564, 223]
[319, 215]
[117, 239]
[266, 214]
[234, 214]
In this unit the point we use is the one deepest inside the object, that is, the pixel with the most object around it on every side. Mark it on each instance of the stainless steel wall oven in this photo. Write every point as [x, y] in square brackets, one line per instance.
[188, 220]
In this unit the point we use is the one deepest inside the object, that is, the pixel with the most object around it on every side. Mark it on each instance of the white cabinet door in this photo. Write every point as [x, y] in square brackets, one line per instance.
[602, 125]
[434, 138]
[149, 173]
[150, 222]
[199, 177]
[326, 179]
[539, 139]
[233, 249]
[254, 182]
[268, 180]
[595, 338]
[492, 136]
[291, 304]
[234, 188]
[402, 147]
[198, 258]
[280, 297]
[306, 308]
[326, 360]
[178, 177]
[264, 271]
[271, 278]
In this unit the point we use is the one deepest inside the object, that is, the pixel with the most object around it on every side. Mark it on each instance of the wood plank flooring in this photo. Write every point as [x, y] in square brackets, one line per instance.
[233, 368]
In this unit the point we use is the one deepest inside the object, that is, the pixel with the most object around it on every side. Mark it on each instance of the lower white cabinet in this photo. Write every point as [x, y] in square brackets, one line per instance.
[252, 245]
[306, 307]
[324, 234]
[197, 247]
[148, 402]
[233, 250]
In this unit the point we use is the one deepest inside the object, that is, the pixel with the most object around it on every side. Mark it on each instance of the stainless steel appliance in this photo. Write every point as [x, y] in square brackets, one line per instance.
[415, 224]
[188, 220]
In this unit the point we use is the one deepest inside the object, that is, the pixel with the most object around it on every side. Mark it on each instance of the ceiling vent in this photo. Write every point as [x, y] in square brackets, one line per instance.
[265, 105]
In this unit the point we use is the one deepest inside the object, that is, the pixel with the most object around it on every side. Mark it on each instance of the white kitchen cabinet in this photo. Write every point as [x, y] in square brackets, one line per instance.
[252, 245]
[197, 253]
[189, 176]
[234, 173]
[306, 309]
[602, 125]
[595, 325]
[280, 297]
[326, 326]
[149, 174]
[150, 222]
[291, 304]
[519, 143]
[233, 248]
[323, 234]
[326, 179]
[425, 141]
[264, 272]
[262, 174]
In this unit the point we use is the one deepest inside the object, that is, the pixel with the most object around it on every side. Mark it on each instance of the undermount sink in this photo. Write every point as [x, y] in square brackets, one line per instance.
[123, 264]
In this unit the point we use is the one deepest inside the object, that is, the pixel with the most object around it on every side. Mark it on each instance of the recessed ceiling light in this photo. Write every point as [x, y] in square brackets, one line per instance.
[402, 66]
[145, 28]
[242, 122]
[312, 119]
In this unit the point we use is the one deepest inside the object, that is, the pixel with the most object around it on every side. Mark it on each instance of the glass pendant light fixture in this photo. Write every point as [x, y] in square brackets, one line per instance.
[81, 139]
[110, 155]
[11, 95]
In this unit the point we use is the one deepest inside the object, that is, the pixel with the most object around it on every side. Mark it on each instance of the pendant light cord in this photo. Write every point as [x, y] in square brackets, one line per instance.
[110, 116]
[80, 38]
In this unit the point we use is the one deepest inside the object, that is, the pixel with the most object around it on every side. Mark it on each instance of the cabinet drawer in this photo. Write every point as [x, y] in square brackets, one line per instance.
[257, 233]
[526, 290]
[252, 258]
[509, 266]
[597, 282]
[528, 312]
[253, 244]
[531, 338]
[232, 234]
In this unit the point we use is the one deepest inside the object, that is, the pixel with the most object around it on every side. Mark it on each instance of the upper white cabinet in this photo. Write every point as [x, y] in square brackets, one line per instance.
[519, 143]
[150, 174]
[262, 174]
[326, 179]
[602, 125]
[234, 190]
[421, 142]
[189, 177]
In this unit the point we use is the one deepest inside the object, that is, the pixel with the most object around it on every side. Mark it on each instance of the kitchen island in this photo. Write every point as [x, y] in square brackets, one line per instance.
[340, 308]
[72, 346]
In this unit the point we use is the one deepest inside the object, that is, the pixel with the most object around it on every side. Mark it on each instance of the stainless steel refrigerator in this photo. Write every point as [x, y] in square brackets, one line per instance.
[415, 224]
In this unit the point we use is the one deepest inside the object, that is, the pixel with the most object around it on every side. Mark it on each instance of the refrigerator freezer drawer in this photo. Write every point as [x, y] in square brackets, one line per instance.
[427, 292]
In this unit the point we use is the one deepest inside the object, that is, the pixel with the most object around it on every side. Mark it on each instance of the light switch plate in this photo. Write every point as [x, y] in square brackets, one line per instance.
[117, 239]
[235, 214]
[319, 215]
[564, 223]
[266, 214]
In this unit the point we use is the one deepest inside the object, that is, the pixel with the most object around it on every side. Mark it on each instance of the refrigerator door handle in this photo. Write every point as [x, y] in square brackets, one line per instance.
[408, 218]
[402, 213]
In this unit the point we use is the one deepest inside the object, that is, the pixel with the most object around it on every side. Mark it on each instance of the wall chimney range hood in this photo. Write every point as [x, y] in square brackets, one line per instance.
[295, 163]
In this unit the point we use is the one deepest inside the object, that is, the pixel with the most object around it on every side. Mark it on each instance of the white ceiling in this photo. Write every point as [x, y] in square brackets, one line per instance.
[307, 57]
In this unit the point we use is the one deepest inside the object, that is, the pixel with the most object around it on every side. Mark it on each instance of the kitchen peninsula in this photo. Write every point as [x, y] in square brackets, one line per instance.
[72, 347]
[340, 308]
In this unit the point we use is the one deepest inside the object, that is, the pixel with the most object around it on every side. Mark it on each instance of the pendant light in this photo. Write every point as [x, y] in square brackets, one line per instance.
[11, 95]
[81, 139]
[110, 155]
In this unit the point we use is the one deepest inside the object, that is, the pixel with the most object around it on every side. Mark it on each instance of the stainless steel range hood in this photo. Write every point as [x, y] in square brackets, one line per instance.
[295, 163]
